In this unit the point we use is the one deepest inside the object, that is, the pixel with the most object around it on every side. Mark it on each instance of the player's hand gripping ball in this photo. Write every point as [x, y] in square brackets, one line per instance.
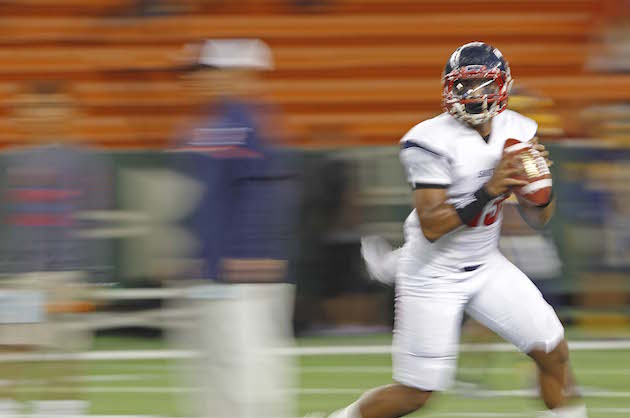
[535, 171]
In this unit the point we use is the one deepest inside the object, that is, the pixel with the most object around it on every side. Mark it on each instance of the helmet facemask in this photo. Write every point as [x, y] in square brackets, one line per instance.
[475, 94]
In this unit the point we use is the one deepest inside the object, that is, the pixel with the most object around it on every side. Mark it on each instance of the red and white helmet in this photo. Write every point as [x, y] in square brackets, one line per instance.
[476, 83]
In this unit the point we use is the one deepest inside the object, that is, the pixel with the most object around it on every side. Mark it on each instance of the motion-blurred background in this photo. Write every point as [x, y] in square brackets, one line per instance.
[110, 219]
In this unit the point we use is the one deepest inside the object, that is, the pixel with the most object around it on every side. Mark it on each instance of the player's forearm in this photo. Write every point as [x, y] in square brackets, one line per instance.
[546, 213]
[542, 215]
[439, 221]
[534, 216]
[442, 217]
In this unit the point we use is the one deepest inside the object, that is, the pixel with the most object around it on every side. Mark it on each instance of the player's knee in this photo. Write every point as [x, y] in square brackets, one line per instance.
[416, 398]
[559, 356]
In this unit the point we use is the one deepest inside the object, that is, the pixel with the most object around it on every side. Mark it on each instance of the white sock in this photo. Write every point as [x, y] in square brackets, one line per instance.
[351, 411]
[577, 411]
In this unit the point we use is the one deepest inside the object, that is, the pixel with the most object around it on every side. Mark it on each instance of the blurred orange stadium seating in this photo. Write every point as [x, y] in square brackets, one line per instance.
[368, 67]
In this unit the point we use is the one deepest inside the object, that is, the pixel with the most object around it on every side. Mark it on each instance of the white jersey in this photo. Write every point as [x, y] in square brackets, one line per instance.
[443, 152]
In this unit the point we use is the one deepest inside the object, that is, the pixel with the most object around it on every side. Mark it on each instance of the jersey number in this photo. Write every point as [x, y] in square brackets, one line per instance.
[489, 215]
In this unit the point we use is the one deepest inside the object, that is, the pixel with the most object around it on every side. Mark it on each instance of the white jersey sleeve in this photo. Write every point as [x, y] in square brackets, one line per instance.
[519, 127]
[425, 166]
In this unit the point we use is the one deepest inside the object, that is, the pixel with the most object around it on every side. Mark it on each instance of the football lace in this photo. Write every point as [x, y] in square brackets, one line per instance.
[530, 165]
[541, 164]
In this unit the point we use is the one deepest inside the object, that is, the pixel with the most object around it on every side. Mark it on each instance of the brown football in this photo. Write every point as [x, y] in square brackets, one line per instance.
[538, 191]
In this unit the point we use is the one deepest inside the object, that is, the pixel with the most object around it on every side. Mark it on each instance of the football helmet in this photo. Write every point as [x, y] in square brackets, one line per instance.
[476, 83]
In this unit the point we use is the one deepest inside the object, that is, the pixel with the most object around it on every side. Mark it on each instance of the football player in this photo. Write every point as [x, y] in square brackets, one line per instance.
[450, 263]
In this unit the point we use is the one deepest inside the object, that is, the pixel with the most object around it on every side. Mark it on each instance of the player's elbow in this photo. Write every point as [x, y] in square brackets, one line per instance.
[430, 228]
[430, 234]
[547, 212]
[544, 219]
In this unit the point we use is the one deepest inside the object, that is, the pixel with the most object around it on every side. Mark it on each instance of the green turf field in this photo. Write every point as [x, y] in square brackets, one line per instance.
[492, 384]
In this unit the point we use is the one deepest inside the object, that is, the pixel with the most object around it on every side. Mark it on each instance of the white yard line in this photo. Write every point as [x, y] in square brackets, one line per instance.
[87, 416]
[110, 389]
[518, 393]
[86, 378]
[516, 414]
[528, 414]
[344, 369]
[103, 355]
[486, 370]
[611, 410]
[169, 368]
[294, 351]
[480, 414]
[110, 377]
[430, 415]
[467, 347]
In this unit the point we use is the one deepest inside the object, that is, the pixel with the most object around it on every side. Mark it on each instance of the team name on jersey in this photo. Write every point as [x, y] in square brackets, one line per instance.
[485, 173]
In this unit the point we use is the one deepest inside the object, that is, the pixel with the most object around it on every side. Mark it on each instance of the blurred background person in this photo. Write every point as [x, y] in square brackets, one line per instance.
[244, 225]
[47, 184]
